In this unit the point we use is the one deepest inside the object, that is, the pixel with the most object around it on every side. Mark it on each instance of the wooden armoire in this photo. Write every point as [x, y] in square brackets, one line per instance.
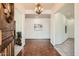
[7, 28]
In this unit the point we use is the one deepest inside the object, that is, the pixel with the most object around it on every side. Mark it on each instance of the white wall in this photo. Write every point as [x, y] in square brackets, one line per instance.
[30, 33]
[70, 28]
[60, 22]
[77, 29]
[18, 18]
[52, 29]
[57, 32]
[59, 28]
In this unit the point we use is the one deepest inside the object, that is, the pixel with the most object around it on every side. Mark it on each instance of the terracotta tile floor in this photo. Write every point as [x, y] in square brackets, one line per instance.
[37, 47]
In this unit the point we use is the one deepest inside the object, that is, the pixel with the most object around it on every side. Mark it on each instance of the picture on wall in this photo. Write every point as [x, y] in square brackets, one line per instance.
[65, 28]
[38, 27]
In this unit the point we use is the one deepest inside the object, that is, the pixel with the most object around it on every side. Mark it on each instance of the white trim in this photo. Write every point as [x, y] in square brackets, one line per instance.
[17, 49]
[59, 51]
[33, 12]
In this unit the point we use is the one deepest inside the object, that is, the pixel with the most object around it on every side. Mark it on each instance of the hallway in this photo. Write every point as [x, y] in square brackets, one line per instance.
[38, 47]
[41, 32]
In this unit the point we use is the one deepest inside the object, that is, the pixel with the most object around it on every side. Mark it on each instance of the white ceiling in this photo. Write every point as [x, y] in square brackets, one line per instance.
[31, 6]
[67, 8]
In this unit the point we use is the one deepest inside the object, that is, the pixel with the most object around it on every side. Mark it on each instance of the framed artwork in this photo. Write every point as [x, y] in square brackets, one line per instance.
[65, 28]
[38, 27]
